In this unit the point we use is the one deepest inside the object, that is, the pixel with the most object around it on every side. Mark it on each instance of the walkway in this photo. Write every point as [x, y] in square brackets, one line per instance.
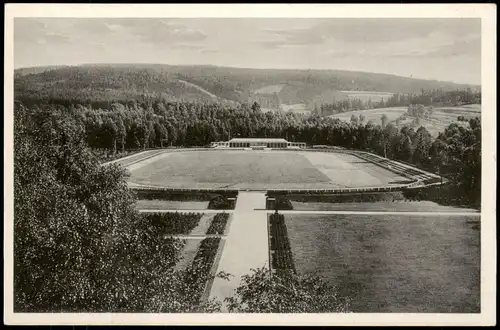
[259, 211]
[246, 245]
[195, 236]
[206, 211]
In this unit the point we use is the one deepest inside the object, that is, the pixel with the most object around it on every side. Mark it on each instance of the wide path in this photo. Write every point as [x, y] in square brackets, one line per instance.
[246, 245]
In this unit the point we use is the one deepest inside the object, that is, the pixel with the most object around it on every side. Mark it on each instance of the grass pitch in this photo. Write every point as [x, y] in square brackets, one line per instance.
[393, 263]
[259, 170]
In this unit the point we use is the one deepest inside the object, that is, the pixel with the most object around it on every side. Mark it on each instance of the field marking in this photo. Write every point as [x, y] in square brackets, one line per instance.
[430, 214]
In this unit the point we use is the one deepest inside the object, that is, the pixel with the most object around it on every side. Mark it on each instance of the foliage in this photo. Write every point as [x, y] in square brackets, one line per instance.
[199, 272]
[170, 223]
[220, 202]
[281, 255]
[218, 224]
[79, 245]
[282, 203]
[264, 292]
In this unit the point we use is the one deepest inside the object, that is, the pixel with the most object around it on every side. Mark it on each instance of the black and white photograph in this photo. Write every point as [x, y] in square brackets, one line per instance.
[202, 165]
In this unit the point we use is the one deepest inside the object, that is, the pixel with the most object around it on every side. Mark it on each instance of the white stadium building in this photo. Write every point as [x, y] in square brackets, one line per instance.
[258, 143]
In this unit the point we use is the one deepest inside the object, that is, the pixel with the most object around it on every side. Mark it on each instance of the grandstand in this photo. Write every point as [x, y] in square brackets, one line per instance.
[258, 143]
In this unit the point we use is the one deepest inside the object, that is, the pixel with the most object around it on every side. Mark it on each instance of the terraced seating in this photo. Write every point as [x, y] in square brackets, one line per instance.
[396, 167]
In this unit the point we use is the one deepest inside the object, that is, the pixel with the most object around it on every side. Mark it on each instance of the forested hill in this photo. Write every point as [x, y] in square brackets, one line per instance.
[103, 84]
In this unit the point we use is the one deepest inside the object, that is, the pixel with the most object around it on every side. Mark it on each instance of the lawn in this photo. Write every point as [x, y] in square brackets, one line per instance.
[397, 206]
[259, 170]
[393, 263]
[155, 204]
[228, 169]
[350, 171]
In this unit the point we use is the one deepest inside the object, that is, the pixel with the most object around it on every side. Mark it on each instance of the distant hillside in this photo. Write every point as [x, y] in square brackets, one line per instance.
[104, 83]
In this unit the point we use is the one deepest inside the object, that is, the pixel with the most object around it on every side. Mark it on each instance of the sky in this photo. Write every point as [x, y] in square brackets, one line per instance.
[447, 49]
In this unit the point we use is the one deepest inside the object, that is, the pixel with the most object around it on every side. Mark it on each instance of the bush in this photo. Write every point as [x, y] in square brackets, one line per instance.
[220, 202]
[280, 203]
[281, 259]
[347, 197]
[198, 273]
[264, 292]
[218, 225]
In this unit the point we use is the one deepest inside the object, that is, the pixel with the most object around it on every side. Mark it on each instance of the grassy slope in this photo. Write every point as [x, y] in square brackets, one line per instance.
[393, 263]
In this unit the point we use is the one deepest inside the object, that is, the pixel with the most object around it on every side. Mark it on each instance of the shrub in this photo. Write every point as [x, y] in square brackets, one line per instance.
[198, 273]
[280, 203]
[218, 224]
[221, 203]
[281, 259]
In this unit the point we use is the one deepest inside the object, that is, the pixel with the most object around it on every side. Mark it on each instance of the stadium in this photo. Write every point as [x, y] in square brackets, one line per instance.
[271, 165]
[343, 214]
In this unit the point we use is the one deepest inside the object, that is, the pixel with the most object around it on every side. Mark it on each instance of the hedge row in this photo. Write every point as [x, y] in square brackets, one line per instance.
[218, 224]
[279, 203]
[343, 197]
[282, 258]
[198, 272]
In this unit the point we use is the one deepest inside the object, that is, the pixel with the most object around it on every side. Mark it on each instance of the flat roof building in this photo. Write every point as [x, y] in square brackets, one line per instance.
[276, 143]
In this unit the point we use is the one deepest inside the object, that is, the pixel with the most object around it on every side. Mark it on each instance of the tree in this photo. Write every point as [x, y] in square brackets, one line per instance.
[384, 120]
[354, 120]
[79, 244]
[264, 292]
[361, 118]
[422, 144]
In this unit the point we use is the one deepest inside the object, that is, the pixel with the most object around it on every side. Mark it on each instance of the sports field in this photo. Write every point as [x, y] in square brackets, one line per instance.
[259, 170]
[388, 263]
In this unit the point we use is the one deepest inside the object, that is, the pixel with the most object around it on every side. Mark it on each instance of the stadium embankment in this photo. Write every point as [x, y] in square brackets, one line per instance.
[417, 178]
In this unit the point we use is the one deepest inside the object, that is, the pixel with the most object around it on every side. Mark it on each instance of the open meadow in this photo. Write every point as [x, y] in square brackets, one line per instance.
[388, 263]
[373, 115]
[368, 95]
